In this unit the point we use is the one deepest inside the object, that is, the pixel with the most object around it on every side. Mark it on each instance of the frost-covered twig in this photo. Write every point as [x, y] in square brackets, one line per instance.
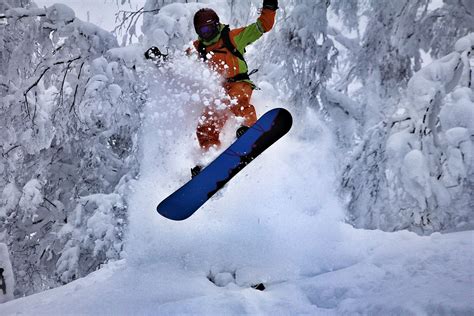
[61, 93]
[31, 87]
[35, 83]
[46, 200]
[5, 154]
[77, 88]
[129, 19]
[4, 16]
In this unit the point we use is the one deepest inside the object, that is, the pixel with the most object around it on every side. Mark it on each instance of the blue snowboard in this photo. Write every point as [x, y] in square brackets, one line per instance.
[190, 197]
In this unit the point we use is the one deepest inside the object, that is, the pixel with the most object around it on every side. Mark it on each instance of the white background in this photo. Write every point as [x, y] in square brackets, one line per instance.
[99, 12]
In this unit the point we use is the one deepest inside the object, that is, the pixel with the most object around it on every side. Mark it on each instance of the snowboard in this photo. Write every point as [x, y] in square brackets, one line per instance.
[190, 197]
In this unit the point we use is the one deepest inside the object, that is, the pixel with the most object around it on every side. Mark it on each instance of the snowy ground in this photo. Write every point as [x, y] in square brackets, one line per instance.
[278, 222]
[363, 272]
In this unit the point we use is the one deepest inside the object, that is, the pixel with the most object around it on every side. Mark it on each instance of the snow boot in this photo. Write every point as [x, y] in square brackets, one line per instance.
[195, 171]
[259, 287]
[241, 131]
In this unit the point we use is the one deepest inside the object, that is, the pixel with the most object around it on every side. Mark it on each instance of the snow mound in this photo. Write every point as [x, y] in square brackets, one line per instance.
[60, 13]
[7, 282]
[372, 273]
[465, 44]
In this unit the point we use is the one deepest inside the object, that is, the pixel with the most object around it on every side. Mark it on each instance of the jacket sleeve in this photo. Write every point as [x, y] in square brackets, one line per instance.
[249, 34]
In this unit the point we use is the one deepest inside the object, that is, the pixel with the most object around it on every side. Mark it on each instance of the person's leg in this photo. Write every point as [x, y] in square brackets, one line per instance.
[242, 92]
[209, 127]
[212, 121]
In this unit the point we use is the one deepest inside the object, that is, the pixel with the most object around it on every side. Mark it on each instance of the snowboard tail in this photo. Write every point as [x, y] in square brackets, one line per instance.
[190, 197]
[267, 138]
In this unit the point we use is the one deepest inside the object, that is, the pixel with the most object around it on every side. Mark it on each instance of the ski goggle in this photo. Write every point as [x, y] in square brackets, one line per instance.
[207, 31]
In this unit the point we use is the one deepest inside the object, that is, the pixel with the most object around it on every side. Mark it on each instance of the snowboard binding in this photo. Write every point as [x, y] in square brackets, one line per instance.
[241, 131]
[195, 171]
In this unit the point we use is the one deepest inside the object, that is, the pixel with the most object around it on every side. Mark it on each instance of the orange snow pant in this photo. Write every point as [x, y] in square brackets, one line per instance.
[212, 121]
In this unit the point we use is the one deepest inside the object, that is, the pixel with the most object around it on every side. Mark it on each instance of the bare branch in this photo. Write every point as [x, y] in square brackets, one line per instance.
[55, 206]
[128, 19]
[31, 87]
[36, 104]
[77, 88]
[61, 93]
[66, 61]
[4, 155]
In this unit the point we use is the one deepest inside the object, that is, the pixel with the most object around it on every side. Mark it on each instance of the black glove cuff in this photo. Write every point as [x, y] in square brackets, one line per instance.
[153, 53]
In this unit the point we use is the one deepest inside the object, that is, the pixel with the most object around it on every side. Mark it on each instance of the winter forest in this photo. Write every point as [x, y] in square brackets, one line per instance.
[365, 207]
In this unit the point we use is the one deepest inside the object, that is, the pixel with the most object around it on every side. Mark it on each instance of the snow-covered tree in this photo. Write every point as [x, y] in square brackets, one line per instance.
[70, 103]
[171, 27]
[381, 48]
[415, 169]
[453, 19]
[386, 47]
[300, 50]
[7, 281]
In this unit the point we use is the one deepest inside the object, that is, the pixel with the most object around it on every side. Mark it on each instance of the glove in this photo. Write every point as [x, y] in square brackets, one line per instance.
[241, 131]
[155, 54]
[270, 4]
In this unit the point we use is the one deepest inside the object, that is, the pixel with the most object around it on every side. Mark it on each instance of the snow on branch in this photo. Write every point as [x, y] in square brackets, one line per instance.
[38, 79]
[20, 13]
[349, 43]
[77, 88]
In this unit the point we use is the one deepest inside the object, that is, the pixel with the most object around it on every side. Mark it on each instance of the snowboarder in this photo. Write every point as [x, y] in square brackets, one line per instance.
[223, 50]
